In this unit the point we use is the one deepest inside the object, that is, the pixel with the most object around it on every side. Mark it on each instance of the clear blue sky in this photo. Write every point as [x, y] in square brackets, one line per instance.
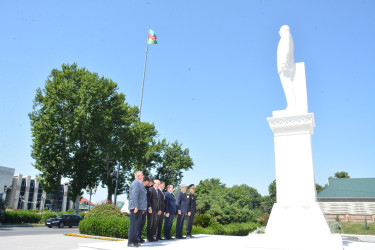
[211, 80]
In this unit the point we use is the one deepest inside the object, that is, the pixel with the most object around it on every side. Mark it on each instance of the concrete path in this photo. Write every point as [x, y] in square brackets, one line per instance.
[214, 242]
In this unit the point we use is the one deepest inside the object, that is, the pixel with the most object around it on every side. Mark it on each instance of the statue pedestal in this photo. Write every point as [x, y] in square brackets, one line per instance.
[296, 220]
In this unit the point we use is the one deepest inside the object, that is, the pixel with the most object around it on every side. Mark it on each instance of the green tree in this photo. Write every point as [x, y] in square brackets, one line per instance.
[318, 188]
[51, 124]
[272, 190]
[78, 123]
[174, 160]
[342, 174]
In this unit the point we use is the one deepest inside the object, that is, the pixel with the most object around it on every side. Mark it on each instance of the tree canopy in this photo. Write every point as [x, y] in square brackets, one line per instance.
[239, 203]
[342, 174]
[82, 127]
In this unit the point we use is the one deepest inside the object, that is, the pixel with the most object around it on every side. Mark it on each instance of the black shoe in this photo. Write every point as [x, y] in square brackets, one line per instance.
[189, 236]
[160, 238]
[141, 241]
[133, 245]
[150, 240]
[167, 238]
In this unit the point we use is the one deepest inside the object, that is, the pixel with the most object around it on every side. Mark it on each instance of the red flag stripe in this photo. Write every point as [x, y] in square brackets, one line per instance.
[151, 37]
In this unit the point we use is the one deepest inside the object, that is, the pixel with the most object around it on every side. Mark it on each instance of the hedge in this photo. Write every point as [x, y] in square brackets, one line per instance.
[117, 227]
[113, 226]
[21, 216]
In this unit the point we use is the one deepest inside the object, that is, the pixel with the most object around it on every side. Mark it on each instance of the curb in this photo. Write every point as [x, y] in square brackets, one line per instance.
[22, 226]
[95, 237]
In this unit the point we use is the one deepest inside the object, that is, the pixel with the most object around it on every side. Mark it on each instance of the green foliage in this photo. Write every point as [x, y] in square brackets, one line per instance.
[202, 220]
[115, 226]
[356, 228]
[2, 209]
[342, 174]
[227, 205]
[112, 226]
[21, 216]
[103, 211]
[272, 189]
[81, 127]
[263, 220]
[175, 160]
[47, 214]
[318, 188]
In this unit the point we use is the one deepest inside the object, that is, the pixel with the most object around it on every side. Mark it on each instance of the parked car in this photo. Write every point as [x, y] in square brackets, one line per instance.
[64, 220]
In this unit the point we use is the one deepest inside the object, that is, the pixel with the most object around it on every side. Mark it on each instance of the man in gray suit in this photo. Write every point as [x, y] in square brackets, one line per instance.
[137, 206]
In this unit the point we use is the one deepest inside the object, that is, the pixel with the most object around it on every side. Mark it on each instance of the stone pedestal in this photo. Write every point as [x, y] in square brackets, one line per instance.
[296, 220]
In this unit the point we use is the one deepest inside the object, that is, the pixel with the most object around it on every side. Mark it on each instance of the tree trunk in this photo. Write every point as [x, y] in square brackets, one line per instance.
[57, 195]
[109, 180]
[76, 204]
[109, 197]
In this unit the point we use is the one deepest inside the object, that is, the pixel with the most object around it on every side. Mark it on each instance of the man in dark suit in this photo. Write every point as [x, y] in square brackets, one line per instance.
[170, 211]
[154, 210]
[149, 209]
[137, 206]
[181, 204]
[161, 206]
[191, 209]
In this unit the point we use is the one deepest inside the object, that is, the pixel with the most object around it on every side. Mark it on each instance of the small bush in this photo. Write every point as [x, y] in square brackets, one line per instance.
[104, 210]
[46, 215]
[203, 220]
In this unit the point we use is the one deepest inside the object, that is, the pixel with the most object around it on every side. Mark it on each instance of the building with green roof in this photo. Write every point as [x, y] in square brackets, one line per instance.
[351, 199]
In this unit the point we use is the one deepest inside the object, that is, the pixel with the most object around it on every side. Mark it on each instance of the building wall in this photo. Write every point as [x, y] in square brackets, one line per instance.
[27, 193]
[349, 210]
[6, 178]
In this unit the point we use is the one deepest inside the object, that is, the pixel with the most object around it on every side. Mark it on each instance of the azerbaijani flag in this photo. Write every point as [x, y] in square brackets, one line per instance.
[152, 37]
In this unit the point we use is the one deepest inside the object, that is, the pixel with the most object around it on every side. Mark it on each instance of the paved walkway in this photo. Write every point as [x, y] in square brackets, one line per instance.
[215, 242]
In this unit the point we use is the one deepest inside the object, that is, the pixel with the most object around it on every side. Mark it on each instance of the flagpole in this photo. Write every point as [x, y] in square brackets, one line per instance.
[144, 74]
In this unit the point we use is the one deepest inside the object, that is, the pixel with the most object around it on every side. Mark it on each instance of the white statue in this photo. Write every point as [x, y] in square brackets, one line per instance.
[286, 66]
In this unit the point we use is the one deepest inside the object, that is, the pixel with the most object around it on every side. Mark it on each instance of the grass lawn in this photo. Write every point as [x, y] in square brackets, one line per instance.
[356, 228]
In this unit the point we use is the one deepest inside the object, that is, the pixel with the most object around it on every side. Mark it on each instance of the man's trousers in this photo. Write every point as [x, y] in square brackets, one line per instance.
[135, 219]
[168, 222]
[180, 224]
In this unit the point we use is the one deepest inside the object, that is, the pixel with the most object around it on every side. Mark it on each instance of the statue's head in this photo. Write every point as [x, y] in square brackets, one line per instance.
[284, 30]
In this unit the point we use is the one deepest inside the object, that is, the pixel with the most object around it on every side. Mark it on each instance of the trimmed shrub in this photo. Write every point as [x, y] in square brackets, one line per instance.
[21, 216]
[112, 226]
[46, 215]
[104, 210]
[203, 220]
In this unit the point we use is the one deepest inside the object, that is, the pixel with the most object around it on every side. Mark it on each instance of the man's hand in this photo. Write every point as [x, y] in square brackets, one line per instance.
[167, 215]
[179, 212]
[150, 211]
[159, 213]
[136, 210]
[189, 213]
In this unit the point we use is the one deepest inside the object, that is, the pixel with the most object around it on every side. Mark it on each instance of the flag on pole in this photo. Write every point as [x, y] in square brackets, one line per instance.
[152, 37]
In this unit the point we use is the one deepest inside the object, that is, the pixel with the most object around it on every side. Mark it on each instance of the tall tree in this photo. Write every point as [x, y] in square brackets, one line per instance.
[50, 126]
[78, 124]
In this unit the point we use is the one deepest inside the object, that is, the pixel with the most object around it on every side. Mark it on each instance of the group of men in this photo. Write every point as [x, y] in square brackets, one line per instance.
[147, 201]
